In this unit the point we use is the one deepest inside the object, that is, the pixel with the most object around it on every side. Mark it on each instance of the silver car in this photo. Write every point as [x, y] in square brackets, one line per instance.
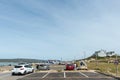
[42, 67]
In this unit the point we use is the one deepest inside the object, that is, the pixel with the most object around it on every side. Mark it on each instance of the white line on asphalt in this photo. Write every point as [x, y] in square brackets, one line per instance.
[83, 74]
[64, 75]
[45, 75]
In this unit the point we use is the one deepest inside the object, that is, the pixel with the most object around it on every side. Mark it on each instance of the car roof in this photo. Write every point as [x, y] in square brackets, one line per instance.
[19, 65]
[22, 65]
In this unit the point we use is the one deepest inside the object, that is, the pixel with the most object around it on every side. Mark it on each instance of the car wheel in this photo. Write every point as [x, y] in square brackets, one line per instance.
[24, 73]
[33, 71]
[12, 74]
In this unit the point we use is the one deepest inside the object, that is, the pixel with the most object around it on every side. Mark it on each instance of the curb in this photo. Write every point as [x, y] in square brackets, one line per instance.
[108, 75]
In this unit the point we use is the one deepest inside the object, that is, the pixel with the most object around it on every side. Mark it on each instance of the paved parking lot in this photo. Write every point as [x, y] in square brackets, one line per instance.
[67, 76]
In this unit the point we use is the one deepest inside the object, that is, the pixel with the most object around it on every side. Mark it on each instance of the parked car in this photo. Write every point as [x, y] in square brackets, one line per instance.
[70, 67]
[42, 67]
[22, 69]
[81, 65]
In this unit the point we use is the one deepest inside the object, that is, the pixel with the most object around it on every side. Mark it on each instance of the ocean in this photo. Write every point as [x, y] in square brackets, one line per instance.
[8, 63]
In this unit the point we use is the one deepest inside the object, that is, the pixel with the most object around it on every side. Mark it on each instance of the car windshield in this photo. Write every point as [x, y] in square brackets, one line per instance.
[18, 66]
[82, 64]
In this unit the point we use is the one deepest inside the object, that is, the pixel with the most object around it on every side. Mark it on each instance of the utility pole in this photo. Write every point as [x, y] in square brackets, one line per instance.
[61, 58]
[116, 62]
[84, 55]
[96, 59]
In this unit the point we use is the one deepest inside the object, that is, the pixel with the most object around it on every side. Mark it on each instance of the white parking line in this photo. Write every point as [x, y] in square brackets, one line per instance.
[64, 75]
[83, 74]
[45, 75]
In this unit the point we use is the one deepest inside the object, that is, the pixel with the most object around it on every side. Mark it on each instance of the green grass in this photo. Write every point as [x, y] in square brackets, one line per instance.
[59, 70]
[104, 67]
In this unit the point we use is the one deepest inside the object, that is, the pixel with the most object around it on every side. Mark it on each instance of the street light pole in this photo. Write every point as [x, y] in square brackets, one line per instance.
[116, 66]
[96, 59]
[84, 55]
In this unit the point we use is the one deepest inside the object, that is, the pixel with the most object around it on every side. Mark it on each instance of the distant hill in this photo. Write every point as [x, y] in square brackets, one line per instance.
[22, 60]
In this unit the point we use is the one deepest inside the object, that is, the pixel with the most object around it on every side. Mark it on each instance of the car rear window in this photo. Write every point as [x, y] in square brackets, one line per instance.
[42, 65]
[69, 64]
[18, 66]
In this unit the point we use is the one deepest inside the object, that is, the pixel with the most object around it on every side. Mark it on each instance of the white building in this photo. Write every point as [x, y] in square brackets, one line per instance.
[103, 53]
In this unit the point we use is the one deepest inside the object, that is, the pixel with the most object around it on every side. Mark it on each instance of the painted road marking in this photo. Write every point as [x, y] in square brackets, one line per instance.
[64, 75]
[45, 75]
[83, 74]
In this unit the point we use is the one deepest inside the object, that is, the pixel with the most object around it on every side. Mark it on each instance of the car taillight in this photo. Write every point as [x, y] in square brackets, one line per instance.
[21, 68]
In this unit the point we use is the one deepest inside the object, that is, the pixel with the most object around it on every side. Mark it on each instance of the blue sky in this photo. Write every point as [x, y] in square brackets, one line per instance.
[55, 29]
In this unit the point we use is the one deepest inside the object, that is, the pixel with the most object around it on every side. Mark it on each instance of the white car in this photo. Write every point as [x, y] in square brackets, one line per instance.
[22, 69]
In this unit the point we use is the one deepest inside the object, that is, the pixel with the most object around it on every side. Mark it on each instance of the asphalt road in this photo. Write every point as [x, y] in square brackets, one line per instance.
[51, 75]
[7, 76]
[67, 76]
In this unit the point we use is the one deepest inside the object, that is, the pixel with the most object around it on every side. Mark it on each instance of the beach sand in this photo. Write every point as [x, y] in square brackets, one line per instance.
[6, 68]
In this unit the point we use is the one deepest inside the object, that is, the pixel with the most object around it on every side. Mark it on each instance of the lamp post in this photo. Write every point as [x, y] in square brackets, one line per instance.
[96, 58]
[84, 55]
[116, 63]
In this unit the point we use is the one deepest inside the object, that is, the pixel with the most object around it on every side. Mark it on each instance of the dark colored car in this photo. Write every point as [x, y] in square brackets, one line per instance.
[70, 67]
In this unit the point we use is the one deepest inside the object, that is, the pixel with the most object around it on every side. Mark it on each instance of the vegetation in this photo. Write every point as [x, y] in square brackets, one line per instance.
[59, 70]
[109, 68]
[99, 58]
[103, 64]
